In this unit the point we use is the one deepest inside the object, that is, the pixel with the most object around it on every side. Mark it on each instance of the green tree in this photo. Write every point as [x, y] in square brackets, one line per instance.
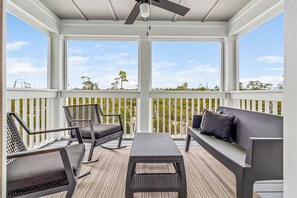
[184, 86]
[257, 85]
[88, 84]
[122, 78]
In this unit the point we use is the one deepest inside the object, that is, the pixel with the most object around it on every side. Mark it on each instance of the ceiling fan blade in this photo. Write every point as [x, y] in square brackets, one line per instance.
[172, 7]
[134, 14]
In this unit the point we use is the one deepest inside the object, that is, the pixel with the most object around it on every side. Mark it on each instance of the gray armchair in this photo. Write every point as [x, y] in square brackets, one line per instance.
[41, 172]
[93, 131]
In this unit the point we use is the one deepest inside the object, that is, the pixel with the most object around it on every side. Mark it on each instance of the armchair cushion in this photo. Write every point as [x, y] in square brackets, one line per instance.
[100, 130]
[43, 169]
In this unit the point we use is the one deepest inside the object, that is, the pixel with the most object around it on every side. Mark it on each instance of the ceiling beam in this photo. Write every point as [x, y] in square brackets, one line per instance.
[139, 28]
[78, 10]
[36, 14]
[112, 12]
[254, 14]
[210, 11]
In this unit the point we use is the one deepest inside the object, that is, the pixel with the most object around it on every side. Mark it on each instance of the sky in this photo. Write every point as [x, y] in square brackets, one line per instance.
[174, 63]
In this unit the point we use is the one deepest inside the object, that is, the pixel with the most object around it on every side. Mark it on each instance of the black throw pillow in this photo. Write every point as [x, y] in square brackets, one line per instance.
[217, 125]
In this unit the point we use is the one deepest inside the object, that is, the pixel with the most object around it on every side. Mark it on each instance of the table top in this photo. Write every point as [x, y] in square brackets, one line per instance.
[154, 147]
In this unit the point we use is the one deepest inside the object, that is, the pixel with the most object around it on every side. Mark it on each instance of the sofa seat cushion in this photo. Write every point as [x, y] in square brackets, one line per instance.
[42, 169]
[100, 130]
[225, 152]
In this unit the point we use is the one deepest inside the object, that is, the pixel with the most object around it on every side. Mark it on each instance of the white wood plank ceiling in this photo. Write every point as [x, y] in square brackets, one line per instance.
[201, 10]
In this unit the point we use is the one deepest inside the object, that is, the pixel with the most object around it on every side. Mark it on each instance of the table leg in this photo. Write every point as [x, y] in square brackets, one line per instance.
[182, 193]
[130, 172]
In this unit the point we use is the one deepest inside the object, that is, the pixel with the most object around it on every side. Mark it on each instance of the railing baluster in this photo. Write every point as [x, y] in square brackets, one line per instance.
[131, 118]
[204, 103]
[253, 105]
[163, 115]
[31, 122]
[125, 115]
[169, 116]
[158, 118]
[175, 117]
[187, 113]
[181, 117]
[119, 106]
[43, 113]
[107, 110]
[17, 110]
[198, 106]
[112, 109]
[37, 121]
[25, 118]
[274, 108]
[267, 109]
[192, 108]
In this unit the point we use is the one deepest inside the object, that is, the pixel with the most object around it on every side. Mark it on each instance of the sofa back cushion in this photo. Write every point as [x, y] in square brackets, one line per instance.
[253, 124]
[217, 125]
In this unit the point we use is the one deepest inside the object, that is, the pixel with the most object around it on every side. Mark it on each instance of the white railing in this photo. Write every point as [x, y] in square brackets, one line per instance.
[261, 101]
[173, 111]
[35, 108]
[111, 102]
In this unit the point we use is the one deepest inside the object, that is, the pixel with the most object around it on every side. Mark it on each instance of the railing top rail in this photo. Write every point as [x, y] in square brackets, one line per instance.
[188, 94]
[257, 95]
[18, 93]
[101, 93]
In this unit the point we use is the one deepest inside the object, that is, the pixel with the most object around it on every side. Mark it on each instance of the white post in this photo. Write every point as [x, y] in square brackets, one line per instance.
[144, 83]
[3, 100]
[230, 68]
[57, 78]
[290, 100]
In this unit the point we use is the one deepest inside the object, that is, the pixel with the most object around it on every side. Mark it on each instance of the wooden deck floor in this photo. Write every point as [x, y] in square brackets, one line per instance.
[206, 177]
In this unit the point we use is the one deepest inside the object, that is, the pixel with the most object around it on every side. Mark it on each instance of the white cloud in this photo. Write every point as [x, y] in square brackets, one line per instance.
[271, 59]
[23, 66]
[163, 65]
[15, 45]
[207, 69]
[176, 75]
[275, 69]
[77, 60]
[191, 61]
[112, 57]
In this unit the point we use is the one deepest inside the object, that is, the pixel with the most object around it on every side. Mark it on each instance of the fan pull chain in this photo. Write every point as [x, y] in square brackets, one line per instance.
[148, 24]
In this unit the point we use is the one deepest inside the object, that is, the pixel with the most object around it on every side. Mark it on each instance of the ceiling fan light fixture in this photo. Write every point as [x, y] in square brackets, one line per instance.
[145, 10]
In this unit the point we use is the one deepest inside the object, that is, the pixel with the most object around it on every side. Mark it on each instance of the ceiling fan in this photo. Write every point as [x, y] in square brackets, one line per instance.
[143, 7]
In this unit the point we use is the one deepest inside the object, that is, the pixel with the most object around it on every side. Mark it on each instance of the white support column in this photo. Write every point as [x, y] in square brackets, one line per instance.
[57, 78]
[290, 100]
[144, 83]
[230, 68]
[3, 100]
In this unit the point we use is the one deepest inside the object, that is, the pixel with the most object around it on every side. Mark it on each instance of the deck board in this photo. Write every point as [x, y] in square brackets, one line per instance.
[206, 177]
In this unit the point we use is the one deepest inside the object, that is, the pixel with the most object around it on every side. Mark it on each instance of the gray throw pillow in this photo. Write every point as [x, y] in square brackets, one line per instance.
[217, 125]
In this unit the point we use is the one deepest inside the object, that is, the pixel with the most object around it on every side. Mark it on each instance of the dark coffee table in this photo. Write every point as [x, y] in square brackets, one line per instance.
[155, 148]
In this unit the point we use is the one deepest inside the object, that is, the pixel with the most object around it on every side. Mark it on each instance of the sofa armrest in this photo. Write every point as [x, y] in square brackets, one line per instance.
[197, 121]
[266, 155]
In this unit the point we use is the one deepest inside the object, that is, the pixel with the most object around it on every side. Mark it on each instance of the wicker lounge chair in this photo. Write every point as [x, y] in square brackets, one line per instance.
[93, 131]
[41, 172]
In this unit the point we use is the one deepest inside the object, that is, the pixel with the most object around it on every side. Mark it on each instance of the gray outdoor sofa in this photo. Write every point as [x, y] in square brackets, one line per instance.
[256, 154]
